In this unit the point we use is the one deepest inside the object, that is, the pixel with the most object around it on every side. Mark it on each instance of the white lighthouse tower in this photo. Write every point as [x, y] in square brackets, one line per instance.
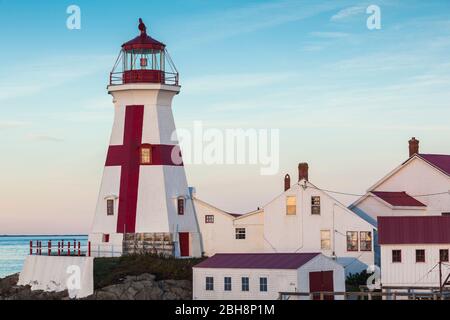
[144, 204]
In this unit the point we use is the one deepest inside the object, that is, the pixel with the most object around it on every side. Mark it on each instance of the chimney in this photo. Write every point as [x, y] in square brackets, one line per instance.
[287, 182]
[302, 171]
[413, 147]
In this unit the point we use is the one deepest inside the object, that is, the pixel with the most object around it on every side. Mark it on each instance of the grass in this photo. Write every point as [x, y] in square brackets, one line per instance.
[108, 271]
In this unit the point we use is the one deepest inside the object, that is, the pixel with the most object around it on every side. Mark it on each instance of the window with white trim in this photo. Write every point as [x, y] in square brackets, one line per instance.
[245, 281]
[209, 218]
[325, 239]
[227, 284]
[352, 240]
[209, 283]
[110, 207]
[315, 205]
[240, 233]
[365, 241]
[291, 205]
[263, 284]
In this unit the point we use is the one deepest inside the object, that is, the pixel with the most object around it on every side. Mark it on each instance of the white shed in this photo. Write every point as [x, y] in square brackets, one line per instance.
[262, 276]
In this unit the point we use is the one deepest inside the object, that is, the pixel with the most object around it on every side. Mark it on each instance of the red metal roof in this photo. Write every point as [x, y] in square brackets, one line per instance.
[257, 260]
[441, 161]
[143, 41]
[414, 230]
[398, 199]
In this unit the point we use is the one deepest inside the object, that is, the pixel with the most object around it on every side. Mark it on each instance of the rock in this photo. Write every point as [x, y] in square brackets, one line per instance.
[141, 287]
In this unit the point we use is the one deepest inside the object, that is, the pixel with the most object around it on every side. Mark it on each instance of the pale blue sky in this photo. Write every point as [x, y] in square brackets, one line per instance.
[345, 98]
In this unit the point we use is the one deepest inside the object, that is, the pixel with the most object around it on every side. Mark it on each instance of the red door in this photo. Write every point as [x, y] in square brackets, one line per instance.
[321, 281]
[184, 244]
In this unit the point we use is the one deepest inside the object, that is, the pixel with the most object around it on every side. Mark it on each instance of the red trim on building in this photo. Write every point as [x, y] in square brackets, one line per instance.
[414, 230]
[440, 161]
[257, 260]
[398, 199]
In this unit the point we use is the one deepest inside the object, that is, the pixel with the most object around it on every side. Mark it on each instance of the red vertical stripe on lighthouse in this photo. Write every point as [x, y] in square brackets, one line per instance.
[127, 156]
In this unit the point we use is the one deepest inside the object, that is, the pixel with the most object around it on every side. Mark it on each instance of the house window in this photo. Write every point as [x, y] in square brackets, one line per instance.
[146, 154]
[315, 205]
[365, 240]
[180, 205]
[420, 255]
[209, 218]
[240, 233]
[446, 213]
[263, 284]
[245, 284]
[291, 205]
[227, 283]
[105, 237]
[443, 255]
[325, 239]
[209, 283]
[396, 256]
[110, 207]
[352, 241]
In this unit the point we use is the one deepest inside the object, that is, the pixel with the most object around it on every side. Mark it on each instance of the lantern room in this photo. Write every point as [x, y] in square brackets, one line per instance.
[144, 60]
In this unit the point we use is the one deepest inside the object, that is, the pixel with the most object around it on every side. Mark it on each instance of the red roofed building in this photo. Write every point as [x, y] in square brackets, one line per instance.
[414, 251]
[262, 276]
[420, 186]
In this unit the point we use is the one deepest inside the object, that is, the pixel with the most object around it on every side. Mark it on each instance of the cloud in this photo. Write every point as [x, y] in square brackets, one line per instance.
[12, 124]
[30, 79]
[347, 13]
[44, 137]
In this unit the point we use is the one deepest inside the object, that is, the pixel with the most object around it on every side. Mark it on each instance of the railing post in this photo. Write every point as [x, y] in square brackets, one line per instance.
[321, 296]
[89, 248]
[79, 248]
[311, 296]
[31, 247]
[49, 244]
[40, 247]
[59, 248]
[68, 248]
[369, 296]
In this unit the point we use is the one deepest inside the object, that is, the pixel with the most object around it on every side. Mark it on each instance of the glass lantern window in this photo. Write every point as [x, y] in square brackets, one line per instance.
[144, 59]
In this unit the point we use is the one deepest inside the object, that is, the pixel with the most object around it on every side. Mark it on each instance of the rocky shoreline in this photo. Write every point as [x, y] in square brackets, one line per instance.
[142, 287]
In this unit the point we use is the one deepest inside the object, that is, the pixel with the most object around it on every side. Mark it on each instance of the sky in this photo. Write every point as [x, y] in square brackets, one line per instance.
[346, 99]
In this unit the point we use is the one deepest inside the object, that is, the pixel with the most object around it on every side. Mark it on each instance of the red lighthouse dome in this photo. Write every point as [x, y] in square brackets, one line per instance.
[144, 60]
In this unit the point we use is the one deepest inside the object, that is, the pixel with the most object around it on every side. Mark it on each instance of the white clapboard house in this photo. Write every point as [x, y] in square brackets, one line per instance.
[262, 276]
[414, 252]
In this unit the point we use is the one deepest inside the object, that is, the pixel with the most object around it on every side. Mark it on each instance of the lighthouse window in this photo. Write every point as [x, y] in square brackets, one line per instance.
[110, 207]
[180, 206]
[146, 155]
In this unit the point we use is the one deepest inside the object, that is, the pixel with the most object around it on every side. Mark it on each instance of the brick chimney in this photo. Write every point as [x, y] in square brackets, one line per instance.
[413, 147]
[287, 182]
[302, 171]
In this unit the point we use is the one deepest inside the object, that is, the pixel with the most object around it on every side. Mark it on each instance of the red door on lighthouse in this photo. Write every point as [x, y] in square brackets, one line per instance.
[184, 244]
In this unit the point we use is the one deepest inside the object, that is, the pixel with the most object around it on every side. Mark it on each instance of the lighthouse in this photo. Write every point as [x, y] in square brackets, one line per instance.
[144, 204]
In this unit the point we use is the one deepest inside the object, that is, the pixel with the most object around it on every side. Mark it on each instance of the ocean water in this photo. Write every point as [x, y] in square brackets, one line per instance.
[14, 249]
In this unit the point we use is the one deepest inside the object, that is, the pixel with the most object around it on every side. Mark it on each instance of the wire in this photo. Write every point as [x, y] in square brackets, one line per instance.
[368, 194]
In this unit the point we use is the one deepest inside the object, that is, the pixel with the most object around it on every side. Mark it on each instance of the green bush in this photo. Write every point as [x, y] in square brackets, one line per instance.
[354, 280]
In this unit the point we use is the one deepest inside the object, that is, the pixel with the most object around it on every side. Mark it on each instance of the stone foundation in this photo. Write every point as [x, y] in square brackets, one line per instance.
[149, 243]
